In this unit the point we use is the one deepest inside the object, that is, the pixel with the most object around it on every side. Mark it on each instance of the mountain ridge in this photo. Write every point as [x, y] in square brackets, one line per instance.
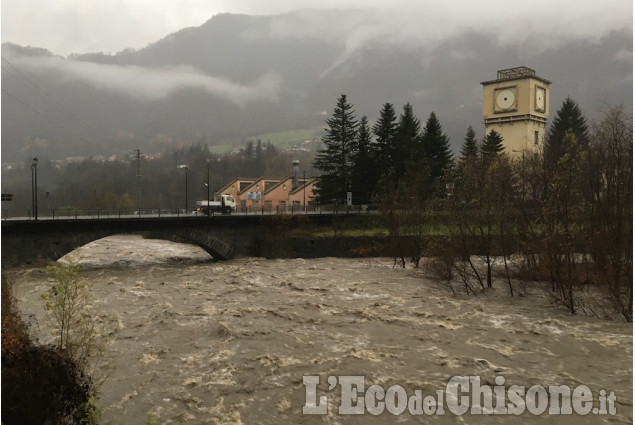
[236, 76]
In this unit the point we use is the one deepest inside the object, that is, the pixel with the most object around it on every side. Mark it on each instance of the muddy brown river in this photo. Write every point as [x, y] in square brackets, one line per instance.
[255, 341]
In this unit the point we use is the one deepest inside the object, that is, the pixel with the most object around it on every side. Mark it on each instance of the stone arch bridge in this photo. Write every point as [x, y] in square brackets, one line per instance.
[223, 237]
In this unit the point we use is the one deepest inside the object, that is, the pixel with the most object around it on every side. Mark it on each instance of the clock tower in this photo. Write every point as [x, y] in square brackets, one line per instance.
[516, 105]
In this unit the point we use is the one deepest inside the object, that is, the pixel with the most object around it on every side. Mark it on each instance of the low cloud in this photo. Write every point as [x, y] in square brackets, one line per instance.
[542, 24]
[152, 83]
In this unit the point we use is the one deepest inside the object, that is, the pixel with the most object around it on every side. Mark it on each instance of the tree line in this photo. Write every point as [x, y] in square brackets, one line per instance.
[564, 212]
[391, 158]
[372, 162]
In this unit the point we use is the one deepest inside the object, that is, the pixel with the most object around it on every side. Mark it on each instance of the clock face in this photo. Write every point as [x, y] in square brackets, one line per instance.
[540, 99]
[505, 99]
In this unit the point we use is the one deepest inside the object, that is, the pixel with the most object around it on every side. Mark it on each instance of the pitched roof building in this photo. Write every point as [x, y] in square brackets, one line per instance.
[270, 194]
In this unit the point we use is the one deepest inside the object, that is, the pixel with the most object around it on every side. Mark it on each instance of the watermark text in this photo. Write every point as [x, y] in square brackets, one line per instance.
[462, 395]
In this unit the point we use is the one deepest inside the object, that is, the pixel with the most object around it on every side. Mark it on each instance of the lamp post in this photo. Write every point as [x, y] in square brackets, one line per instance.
[138, 155]
[34, 187]
[186, 210]
[208, 183]
[186, 169]
[304, 189]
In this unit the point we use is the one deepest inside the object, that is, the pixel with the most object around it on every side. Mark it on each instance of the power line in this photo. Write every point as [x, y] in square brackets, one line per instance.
[41, 115]
[43, 93]
[39, 89]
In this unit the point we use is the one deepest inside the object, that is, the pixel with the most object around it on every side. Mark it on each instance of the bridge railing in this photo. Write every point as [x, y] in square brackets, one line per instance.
[98, 213]
[95, 213]
[309, 209]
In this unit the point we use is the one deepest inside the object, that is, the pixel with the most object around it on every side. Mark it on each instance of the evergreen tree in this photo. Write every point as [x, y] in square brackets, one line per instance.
[259, 162]
[470, 145]
[407, 143]
[385, 130]
[568, 118]
[335, 160]
[492, 144]
[436, 153]
[249, 151]
[365, 168]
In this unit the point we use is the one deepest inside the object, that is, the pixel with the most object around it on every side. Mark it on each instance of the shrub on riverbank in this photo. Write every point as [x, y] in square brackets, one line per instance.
[40, 384]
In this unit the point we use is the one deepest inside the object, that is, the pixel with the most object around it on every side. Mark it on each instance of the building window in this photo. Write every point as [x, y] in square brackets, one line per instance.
[284, 187]
[536, 138]
[270, 183]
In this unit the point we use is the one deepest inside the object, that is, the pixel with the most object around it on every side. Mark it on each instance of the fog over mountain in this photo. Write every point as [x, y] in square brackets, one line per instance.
[237, 76]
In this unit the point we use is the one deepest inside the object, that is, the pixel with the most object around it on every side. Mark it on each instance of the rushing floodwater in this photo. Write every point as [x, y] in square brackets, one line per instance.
[199, 342]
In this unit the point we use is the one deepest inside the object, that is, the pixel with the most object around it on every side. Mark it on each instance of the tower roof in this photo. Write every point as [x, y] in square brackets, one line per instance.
[517, 73]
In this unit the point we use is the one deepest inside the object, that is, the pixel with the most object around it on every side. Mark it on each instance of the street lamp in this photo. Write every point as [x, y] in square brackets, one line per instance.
[304, 189]
[208, 183]
[34, 187]
[138, 154]
[186, 169]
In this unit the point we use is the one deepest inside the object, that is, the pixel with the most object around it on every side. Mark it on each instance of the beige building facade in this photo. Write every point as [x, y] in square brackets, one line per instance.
[270, 194]
[516, 105]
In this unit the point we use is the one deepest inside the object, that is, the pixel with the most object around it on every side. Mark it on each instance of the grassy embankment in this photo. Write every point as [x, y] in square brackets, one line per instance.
[280, 139]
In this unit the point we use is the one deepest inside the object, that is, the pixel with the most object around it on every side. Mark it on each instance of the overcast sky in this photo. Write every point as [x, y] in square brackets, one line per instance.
[80, 26]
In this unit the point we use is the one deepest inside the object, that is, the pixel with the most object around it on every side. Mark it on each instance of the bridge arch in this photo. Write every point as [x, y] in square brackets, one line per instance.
[222, 237]
[214, 246]
[38, 241]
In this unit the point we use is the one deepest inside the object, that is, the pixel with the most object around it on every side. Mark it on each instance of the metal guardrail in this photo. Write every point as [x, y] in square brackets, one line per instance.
[96, 213]
[310, 209]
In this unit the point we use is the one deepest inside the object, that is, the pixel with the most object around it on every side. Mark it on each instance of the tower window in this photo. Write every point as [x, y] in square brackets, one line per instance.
[536, 138]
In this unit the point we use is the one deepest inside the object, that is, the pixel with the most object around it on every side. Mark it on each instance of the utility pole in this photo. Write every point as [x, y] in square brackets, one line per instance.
[138, 155]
